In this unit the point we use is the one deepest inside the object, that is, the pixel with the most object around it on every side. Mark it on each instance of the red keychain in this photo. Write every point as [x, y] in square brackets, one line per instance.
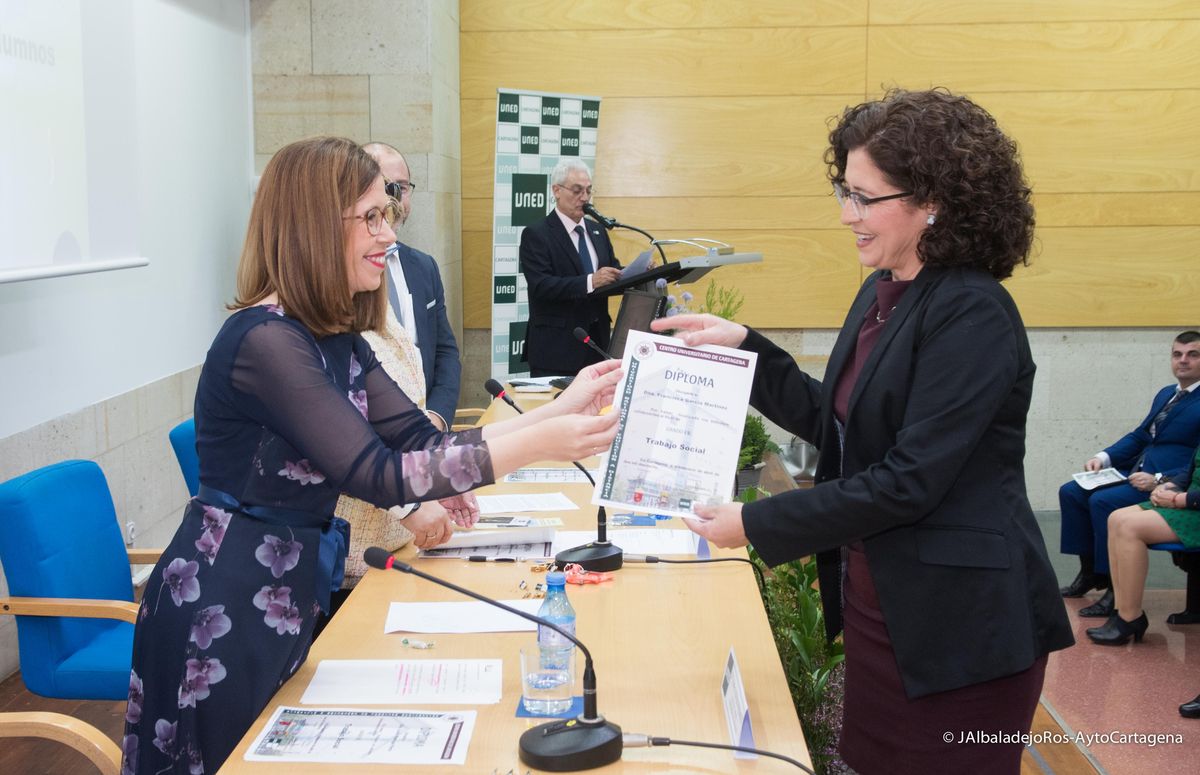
[577, 575]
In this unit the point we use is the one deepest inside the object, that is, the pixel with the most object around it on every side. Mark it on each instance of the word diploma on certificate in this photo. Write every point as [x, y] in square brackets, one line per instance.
[683, 411]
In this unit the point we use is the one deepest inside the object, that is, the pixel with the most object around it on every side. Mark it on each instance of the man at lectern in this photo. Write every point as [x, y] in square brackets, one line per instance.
[565, 259]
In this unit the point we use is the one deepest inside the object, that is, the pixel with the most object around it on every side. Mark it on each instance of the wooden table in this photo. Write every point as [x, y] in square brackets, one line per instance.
[659, 635]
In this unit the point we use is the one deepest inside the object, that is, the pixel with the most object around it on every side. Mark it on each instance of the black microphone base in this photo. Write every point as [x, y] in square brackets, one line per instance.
[571, 745]
[592, 556]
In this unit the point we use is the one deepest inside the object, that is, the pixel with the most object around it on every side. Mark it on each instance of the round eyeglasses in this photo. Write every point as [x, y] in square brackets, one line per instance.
[859, 202]
[375, 217]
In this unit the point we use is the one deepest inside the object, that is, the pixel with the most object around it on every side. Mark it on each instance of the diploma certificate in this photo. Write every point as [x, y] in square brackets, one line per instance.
[683, 410]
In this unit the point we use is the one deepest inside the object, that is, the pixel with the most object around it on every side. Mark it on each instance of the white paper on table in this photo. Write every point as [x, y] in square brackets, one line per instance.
[542, 501]
[634, 540]
[683, 411]
[356, 736]
[505, 521]
[517, 535]
[397, 681]
[460, 617]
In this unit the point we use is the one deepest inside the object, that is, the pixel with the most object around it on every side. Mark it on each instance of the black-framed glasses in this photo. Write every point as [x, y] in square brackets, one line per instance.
[375, 217]
[576, 190]
[859, 202]
[398, 188]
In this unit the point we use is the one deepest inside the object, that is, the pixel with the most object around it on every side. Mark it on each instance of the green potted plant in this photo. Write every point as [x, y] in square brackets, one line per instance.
[756, 443]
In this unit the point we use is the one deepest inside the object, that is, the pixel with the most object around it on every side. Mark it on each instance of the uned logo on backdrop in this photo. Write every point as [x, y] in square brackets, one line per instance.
[591, 113]
[510, 108]
[569, 142]
[528, 198]
[504, 289]
[550, 111]
[531, 141]
[517, 332]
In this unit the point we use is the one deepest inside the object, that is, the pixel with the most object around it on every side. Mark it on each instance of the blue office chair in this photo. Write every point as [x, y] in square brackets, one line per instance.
[68, 577]
[183, 441]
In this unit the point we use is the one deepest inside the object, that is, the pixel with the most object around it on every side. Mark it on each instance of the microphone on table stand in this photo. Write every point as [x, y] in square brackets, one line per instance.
[565, 745]
[586, 338]
[598, 555]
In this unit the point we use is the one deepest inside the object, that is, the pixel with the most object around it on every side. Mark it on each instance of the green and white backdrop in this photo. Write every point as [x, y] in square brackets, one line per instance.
[534, 130]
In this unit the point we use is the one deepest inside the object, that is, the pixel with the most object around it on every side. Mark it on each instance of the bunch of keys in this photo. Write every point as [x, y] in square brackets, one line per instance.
[577, 575]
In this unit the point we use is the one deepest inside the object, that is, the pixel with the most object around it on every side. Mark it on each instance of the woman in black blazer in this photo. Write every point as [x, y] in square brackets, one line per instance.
[928, 549]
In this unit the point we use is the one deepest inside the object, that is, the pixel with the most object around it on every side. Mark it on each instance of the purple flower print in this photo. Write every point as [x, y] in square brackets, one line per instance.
[215, 521]
[284, 617]
[201, 674]
[302, 472]
[180, 577]
[164, 736]
[133, 711]
[359, 399]
[277, 554]
[129, 755]
[418, 470]
[268, 595]
[460, 468]
[355, 367]
[209, 624]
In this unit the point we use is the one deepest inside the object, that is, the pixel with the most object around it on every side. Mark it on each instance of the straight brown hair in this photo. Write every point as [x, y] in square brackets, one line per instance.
[297, 238]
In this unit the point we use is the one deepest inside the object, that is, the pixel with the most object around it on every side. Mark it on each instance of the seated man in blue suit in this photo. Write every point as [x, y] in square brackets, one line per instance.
[564, 258]
[1159, 448]
[417, 298]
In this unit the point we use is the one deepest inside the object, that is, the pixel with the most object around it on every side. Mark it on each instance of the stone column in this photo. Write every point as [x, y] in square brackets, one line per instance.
[384, 70]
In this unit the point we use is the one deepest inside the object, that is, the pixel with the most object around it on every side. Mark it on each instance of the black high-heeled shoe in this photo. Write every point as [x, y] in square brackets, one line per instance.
[1117, 632]
[1107, 623]
[1102, 608]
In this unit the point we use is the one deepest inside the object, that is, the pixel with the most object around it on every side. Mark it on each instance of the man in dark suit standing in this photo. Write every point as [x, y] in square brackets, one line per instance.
[418, 299]
[565, 259]
[1159, 448]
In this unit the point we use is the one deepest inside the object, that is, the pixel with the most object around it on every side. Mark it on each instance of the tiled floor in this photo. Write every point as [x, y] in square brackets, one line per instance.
[1135, 689]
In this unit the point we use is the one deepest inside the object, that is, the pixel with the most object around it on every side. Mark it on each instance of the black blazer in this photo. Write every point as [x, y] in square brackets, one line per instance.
[931, 479]
[558, 297]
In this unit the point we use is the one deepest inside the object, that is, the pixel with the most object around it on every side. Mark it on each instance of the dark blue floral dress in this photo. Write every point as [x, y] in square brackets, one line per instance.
[285, 422]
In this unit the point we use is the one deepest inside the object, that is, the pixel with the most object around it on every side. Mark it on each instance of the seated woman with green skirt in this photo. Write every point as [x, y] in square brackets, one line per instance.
[1171, 515]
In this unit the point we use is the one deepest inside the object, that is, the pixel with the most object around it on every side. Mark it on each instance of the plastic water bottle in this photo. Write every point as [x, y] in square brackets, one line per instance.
[555, 680]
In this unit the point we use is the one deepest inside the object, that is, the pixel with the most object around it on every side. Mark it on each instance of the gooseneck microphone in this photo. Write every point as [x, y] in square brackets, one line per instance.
[613, 223]
[496, 390]
[586, 338]
[609, 223]
[580, 743]
[598, 555]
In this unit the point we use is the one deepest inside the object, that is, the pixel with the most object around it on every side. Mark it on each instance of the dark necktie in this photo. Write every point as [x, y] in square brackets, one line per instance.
[585, 256]
[1162, 413]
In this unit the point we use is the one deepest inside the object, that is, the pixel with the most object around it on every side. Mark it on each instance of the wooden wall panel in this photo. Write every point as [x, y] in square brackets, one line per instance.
[525, 15]
[1038, 57]
[687, 146]
[1111, 277]
[909, 12]
[651, 63]
[1103, 97]
[1093, 141]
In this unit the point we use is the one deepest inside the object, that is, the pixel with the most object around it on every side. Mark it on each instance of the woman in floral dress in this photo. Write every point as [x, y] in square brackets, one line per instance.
[292, 409]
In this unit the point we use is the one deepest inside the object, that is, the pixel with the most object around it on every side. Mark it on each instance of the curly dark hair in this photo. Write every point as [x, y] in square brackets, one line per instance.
[947, 151]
